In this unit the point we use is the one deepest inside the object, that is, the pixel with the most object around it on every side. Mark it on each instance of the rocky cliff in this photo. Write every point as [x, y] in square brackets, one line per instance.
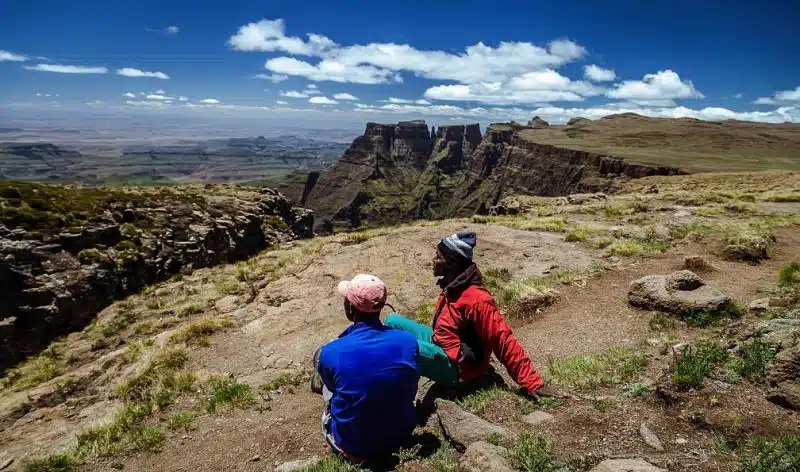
[67, 252]
[403, 171]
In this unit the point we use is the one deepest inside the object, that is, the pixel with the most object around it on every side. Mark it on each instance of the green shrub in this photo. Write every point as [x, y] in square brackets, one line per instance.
[753, 359]
[227, 392]
[52, 463]
[789, 274]
[593, 371]
[535, 454]
[126, 433]
[287, 379]
[495, 279]
[183, 420]
[695, 363]
[705, 318]
[779, 455]
[198, 334]
[638, 389]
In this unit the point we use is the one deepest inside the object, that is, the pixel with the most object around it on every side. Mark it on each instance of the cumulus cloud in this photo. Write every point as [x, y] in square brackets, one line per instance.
[281, 102]
[65, 69]
[378, 63]
[738, 95]
[209, 101]
[293, 94]
[172, 30]
[10, 56]
[322, 101]
[130, 72]
[169, 30]
[663, 85]
[274, 78]
[781, 97]
[345, 96]
[158, 96]
[129, 95]
[183, 99]
[598, 74]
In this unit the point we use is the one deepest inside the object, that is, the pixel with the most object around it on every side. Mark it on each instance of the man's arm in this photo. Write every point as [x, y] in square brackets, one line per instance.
[494, 329]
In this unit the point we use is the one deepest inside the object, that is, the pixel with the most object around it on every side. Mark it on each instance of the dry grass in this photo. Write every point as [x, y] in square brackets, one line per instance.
[198, 334]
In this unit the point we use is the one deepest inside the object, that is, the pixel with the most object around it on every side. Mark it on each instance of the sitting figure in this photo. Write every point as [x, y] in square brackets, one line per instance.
[467, 326]
[368, 377]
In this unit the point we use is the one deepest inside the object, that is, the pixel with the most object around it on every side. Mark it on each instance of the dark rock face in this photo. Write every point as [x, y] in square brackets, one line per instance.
[577, 120]
[53, 284]
[537, 122]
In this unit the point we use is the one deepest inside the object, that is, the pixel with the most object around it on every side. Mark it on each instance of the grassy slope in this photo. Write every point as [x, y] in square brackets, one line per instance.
[692, 145]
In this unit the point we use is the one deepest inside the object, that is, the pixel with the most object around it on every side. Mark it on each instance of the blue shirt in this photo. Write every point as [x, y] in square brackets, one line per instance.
[371, 370]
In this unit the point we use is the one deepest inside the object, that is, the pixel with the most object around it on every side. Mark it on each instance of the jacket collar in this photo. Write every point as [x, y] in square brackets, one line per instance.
[471, 276]
[371, 324]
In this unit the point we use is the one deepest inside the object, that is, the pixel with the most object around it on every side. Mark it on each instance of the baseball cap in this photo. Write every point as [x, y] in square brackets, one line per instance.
[365, 292]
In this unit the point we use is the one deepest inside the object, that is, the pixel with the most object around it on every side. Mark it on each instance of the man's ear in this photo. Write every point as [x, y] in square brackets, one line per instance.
[348, 311]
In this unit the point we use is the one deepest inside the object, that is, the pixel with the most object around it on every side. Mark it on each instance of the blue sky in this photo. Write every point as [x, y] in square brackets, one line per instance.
[359, 61]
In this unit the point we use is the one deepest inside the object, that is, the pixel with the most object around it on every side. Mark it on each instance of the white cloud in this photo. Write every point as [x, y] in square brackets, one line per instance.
[130, 72]
[663, 85]
[598, 74]
[781, 97]
[274, 78]
[210, 101]
[10, 56]
[172, 30]
[738, 95]
[294, 94]
[64, 69]
[159, 91]
[158, 96]
[183, 99]
[345, 96]
[40, 94]
[169, 30]
[312, 86]
[322, 101]
[422, 101]
[146, 103]
[129, 95]
[377, 63]
[312, 91]
[281, 102]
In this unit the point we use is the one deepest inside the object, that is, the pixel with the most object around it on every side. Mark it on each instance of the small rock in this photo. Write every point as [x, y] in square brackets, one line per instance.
[463, 428]
[482, 456]
[697, 263]
[650, 438]
[227, 304]
[5, 463]
[681, 441]
[538, 417]
[626, 465]
[255, 458]
[293, 466]
[760, 306]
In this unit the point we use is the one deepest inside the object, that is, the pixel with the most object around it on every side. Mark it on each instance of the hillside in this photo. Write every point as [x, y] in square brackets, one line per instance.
[689, 144]
[210, 371]
[215, 160]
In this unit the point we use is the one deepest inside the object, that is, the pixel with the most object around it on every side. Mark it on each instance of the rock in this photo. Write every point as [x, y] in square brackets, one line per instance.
[697, 263]
[682, 441]
[227, 304]
[538, 417]
[463, 428]
[650, 438]
[749, 253]
[293, 466]
[679, 292]
[760, 305]
[577, 120]
[6, 462]
[781, 332]
[783, 376]
[255, 458]
[537, 122]
[482, 456]
[626, 465]
[581, 198]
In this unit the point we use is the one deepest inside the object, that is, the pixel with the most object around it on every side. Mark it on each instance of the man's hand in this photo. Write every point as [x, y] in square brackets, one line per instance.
[546, 392]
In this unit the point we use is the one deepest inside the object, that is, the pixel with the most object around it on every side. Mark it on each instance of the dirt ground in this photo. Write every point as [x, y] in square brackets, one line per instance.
[278, 331]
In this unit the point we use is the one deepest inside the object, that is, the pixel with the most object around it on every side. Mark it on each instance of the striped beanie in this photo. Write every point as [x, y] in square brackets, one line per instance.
[459, 246]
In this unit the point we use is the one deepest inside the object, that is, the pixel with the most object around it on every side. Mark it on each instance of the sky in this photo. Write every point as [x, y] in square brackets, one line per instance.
[353, 61]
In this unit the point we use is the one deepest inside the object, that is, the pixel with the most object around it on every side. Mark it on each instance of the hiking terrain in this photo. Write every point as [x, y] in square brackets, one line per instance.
[209, 370]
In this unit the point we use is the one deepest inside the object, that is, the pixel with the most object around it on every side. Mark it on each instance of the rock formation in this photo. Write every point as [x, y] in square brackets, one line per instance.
[679, 292]
[537, 122]
[67, 252]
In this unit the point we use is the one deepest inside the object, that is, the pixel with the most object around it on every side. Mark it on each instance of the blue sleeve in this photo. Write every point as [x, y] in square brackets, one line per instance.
[326, 372]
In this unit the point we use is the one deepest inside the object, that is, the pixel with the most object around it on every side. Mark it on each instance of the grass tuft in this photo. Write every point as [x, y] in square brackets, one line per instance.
[789, 274]
[198, 334]
[535, 454]
[181, 421]
[52, 463]
[333, 464]
[753, 360]
[593, 371]
[287, 379]
[695, 363]
[779, 455]
[227, 392]
[126, 433]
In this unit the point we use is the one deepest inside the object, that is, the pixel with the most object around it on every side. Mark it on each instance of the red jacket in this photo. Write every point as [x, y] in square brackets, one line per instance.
[469, 327]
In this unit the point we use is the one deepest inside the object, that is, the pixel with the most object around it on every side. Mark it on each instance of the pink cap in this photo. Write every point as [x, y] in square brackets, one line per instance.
[365, 292]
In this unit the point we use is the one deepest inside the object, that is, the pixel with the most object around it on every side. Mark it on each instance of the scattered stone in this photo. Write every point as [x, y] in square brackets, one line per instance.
[301, 464]
[255, 458]
[482, 456]
[227, 304]
[679, 292]
[5, 463]
[626, 465]
[538, 417]
[745, 252]
[759, 306]
[781, 332]
[581, 198]
[784, 379]
[682, 441]
[650, 438]
[698, 263]
[463, 428]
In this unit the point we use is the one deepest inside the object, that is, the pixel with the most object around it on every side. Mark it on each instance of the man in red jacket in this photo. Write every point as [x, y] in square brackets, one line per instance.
[467, 326]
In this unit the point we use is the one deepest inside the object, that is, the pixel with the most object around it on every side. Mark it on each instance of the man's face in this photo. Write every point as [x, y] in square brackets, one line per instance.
[439, 265]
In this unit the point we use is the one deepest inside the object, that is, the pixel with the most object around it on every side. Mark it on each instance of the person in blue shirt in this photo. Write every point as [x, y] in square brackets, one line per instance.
[369, 378]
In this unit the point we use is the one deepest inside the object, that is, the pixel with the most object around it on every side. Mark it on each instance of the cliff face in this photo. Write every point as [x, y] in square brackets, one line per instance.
[67, 252]
[404, 171]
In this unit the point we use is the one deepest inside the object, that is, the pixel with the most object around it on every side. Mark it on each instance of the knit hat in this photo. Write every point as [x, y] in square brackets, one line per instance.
[459, 246]
[365, 292]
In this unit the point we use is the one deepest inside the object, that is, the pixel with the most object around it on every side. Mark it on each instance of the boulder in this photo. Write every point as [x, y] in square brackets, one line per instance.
[626, 465]
[697, 263]
[227, 304]
[482, 456]
[538, 417]
[537, 122]
[760, 305]
[463, 428]
[679, 292]
[581, 198]
[781, 332]
[577, 120]
[301, 464]
[783, 376]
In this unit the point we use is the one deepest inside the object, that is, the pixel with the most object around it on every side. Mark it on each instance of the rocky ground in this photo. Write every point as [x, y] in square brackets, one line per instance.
[209, 371]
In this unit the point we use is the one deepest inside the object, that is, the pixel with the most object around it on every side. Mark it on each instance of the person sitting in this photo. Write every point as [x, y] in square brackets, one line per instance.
[368, 377]
[467, 326]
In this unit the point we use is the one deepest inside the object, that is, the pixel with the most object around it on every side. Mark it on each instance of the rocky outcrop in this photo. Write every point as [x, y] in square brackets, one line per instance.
[463, 428]
[537, 122]
[482, 456]
[679, 292]
[55, 279]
